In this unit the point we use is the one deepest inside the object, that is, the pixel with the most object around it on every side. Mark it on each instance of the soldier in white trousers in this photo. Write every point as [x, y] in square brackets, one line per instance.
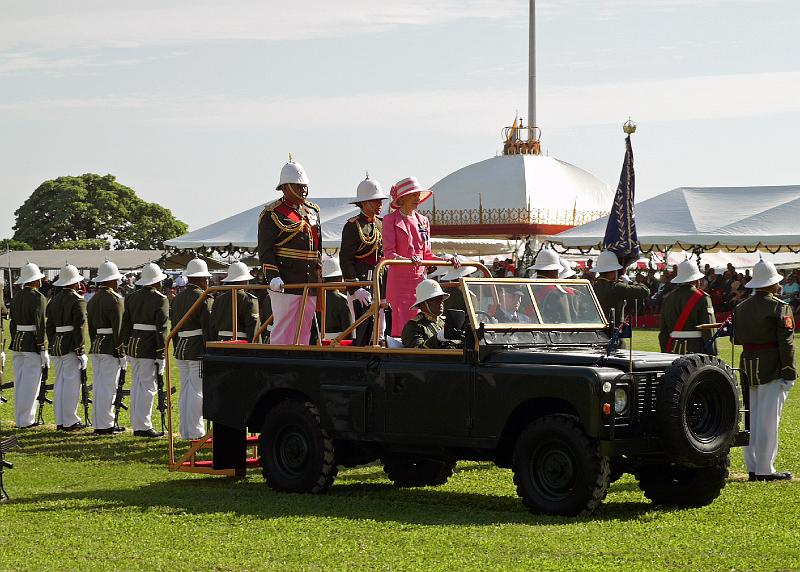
[27, 327]
[144, 325]
[105, 311]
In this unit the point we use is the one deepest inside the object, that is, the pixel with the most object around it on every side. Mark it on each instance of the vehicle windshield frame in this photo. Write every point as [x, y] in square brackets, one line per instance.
[528, 284]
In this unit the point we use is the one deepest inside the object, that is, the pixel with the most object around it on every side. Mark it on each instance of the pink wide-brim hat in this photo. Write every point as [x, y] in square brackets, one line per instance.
[408, 186]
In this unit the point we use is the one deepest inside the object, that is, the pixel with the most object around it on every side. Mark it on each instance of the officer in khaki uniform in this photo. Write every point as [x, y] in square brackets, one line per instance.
[104, 312]
[683, 310]
[190, 347]
[426, 329]
[337, 311]
[764, 326]
[247, 311]
[290, 250]
[144, 325]
[27, 330]
[611, 292]
[66, 318]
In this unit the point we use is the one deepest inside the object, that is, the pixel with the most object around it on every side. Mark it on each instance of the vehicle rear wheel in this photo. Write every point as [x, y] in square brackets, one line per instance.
[296, 451]
[417, 471]
[681, 486]
[558, 469]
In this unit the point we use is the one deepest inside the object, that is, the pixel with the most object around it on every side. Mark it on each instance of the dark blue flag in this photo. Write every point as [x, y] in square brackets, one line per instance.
[624, 330]
[726, 329]
[620, 237]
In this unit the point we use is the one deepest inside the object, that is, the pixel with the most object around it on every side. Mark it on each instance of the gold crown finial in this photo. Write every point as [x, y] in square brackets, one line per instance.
[290, 158]
[629, 127]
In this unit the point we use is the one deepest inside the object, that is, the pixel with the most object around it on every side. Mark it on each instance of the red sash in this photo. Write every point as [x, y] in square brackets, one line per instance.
[684, 317]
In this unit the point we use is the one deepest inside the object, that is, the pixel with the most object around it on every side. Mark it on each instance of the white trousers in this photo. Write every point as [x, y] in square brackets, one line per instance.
[190, 401]
[67, 389]
[286, 313]
[105, 374]
[766, 406]
[27, 375]
[143, 392]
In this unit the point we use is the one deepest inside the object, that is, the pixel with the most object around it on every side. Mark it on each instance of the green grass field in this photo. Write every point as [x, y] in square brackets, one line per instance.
[81, 502]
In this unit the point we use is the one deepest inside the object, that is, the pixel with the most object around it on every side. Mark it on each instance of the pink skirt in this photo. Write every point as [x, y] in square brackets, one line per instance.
[401, 293]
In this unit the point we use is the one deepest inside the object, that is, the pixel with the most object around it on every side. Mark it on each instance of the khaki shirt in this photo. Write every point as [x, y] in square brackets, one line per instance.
[104, 312]
[28, 308]
[702, 313]
[337, 313]
[421, 330]
[764, 325]
[247, 316]
[191, 347]
[146, 306]
[66, 309]
[613, 295]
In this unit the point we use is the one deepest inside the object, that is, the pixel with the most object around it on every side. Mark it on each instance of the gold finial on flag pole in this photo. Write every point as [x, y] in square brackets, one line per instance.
[629, 127]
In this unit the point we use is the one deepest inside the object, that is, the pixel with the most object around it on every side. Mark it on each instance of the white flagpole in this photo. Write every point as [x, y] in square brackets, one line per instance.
[532, 69]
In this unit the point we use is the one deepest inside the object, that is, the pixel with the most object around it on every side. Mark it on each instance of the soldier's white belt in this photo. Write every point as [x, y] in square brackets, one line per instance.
[105, 331]
[332, 335]
[685, 335]
[26, 328]
[144, 327]
[62, 329]
[190, 333]
[229, 334]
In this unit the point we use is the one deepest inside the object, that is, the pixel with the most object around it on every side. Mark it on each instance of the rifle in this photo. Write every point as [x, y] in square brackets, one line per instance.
[42, 398]
[162, 399]
[85, 399]
[118, 398]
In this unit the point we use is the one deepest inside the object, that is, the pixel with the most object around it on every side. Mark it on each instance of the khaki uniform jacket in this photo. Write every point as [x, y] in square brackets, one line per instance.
[145, 306]
[104, 312]
[28, 308]
[702, 313]
[337, 312]
[767, 321]
[421, 330]
[192, 347]
[613, 295]
[66, 308]
[290, 243]
[361, 248]
[247, 316]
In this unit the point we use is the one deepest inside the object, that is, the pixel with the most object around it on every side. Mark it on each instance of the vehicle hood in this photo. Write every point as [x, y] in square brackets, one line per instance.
[621, 359]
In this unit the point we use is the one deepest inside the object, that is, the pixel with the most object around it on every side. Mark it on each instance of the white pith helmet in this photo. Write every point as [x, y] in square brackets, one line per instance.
[368, 190]
[238, 272]
[67, 276]
[331, 267]
[428, 289]
[151, 274]
[606, 262]
[547, 259]
[107, 272]
[439, 272]
[457, 273]
[764, 274]
[29, 273]
[197, 268]
[687, 272]
[292, 173]
[567, 269]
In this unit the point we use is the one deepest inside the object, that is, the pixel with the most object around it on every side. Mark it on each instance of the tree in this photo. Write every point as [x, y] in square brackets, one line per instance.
[11, 244]
[93, 207]
[82, 244]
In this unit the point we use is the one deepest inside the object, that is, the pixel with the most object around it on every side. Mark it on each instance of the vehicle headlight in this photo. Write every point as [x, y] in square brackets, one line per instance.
[620, 400]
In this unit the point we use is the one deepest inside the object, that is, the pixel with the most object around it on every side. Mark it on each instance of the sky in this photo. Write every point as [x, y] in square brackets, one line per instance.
[196, 104]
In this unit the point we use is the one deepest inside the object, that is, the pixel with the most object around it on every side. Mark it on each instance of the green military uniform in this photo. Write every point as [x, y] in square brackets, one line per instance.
[247, 317]
[191, 347]
[67, 309]
[613, 295]
[764, 326]
[420, 331]
[337, 314]
[28, 308]
[690, 340]
[104, 312]
[147, 307]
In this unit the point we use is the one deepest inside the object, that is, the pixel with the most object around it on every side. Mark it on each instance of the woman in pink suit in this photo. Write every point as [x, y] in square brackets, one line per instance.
[406, 236]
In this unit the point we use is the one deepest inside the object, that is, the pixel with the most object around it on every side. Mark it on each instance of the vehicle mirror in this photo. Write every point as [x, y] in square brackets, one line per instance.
[454, 324]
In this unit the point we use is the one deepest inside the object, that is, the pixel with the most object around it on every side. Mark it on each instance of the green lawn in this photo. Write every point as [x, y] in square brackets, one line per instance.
[99, 503]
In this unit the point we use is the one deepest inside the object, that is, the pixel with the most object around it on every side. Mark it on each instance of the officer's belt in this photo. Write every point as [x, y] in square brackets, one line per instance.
[64, 329]
[105, 331]
[685, 335]
[190, 333]
[229, 334]
[26, 328]
[332, 335]
[144, 327]
[759, 347]
[296, 253]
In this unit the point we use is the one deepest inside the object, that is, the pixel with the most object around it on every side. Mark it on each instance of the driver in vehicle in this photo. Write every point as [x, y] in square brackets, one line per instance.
[510, 299]
[426, 329]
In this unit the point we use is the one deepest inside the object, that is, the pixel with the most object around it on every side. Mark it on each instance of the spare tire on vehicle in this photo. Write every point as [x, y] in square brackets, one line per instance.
[698, 410]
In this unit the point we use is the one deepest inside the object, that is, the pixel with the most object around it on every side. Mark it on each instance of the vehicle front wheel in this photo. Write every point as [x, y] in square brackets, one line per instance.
[417, 471]
[558, 469]
[681, 486]
[296, 451]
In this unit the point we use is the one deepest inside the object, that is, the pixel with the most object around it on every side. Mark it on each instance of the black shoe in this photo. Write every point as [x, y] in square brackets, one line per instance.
[785, 476]
[34, 424]
[148, 433]
[118, 429]
[108, 431]
[59, 427]
[74, 427]
[751, 477]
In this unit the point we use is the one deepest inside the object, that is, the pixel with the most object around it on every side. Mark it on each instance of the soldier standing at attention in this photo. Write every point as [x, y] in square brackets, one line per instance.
[426, 329]
[66, 317]
[290, 250]
[190, 347]
[611, 292]
[337, 311]
[247, 316]
[28, 344]
[104, 312]
[144, 324]
[764, 326]
[683, 310]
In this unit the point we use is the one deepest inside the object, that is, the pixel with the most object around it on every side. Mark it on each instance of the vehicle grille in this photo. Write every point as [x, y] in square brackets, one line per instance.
[645, 393]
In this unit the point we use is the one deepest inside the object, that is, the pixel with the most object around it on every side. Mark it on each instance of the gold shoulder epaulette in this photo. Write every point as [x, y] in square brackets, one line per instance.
[268, 208]
[314, 206]
[353, 219]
